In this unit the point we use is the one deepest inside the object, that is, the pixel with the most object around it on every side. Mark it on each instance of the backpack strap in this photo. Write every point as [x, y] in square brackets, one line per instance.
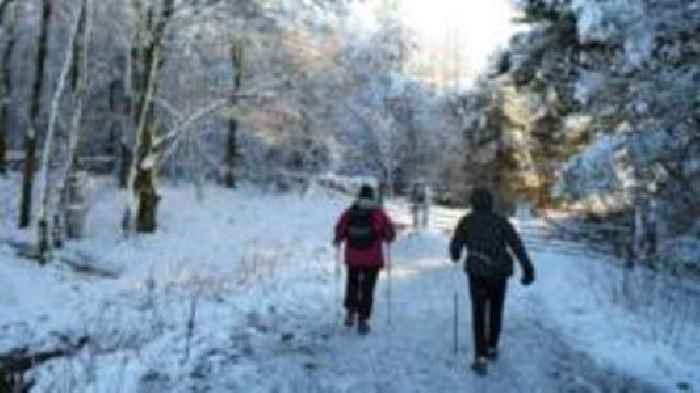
[481, 255]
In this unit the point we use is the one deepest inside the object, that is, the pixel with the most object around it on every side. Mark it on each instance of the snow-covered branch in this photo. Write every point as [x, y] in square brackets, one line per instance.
[184, 124]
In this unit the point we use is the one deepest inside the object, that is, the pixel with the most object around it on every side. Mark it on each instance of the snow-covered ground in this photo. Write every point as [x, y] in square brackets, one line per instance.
[240, 293]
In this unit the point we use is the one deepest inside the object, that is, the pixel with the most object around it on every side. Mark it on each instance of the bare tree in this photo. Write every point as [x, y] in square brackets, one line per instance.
[34, 112]
[142, 175]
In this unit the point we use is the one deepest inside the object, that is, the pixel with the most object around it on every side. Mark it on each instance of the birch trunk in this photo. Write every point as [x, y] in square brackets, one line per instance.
[79, 84]
[44, 192]
[72, 211]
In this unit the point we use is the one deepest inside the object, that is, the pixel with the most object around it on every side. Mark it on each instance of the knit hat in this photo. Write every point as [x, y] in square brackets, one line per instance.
[366, 192]
[481, 199]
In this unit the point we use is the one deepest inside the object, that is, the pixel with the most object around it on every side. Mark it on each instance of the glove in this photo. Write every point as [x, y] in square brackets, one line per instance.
[455, 260]
[528, 278]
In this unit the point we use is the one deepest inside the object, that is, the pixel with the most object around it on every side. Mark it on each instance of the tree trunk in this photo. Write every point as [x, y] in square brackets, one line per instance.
[124, 163]
[143, 170]
[645, 227]
[232, 143]
[145, 176]
[115, 128]
[4, 126]
[6, 83]
[28, 177]
[30, 137]
[124, 150]
[231, 151]
[3, 144]
[144, 187]
[72, 207]
[45, 186]
[131, 89]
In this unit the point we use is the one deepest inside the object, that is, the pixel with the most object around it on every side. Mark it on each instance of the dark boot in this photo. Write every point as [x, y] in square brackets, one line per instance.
[349, 319]
[363, 327]
[480, 366]
[492, 354]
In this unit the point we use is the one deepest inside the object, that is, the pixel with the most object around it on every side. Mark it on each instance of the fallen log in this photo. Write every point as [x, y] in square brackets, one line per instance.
[15, 363]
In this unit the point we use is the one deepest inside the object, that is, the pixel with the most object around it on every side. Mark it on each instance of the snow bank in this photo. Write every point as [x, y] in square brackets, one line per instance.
[239, 256]
[637, 343]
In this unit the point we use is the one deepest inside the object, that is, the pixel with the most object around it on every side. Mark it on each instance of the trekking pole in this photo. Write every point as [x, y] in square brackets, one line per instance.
[337, 273]
[388, 292]
[456, 323]
[456, 320]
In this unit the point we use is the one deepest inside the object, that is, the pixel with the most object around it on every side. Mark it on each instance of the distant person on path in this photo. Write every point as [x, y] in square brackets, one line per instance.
[486, 236]
[363, 227]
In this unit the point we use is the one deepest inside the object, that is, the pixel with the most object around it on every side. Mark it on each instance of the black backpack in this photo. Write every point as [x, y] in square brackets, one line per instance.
[360, 229]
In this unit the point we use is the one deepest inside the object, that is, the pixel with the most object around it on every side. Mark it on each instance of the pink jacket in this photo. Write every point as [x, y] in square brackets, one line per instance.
[372, 256]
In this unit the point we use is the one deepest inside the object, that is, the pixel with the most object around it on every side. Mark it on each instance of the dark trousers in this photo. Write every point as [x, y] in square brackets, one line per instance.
[359, 291]
[488, 296]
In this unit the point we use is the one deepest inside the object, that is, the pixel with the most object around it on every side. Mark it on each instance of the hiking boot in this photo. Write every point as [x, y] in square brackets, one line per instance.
[480, 366]
[492, 354]
[349, 319]
[362, 327]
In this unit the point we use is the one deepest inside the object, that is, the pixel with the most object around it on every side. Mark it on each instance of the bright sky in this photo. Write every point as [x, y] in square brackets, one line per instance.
[456, 37]
[460, 34]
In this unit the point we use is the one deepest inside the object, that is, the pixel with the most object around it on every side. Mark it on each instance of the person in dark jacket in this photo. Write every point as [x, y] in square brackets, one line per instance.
[364, 227]
[487, 237]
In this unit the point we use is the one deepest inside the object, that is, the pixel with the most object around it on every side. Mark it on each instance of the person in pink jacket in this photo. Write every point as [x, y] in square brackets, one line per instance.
[364, 226]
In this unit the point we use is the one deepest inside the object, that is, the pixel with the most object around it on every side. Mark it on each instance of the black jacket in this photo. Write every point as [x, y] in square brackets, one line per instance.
[487, 235]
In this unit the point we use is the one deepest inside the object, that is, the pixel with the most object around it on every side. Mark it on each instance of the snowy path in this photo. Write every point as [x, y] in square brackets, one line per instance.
[415, 353]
